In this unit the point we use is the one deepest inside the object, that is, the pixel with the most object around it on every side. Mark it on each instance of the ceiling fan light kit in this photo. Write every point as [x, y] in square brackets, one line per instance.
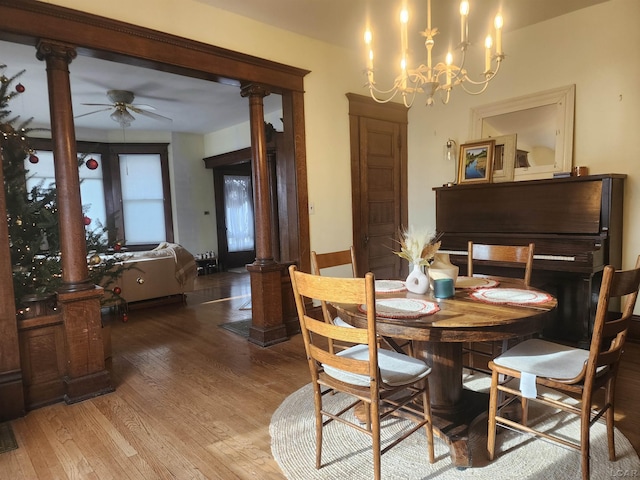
[122, 116]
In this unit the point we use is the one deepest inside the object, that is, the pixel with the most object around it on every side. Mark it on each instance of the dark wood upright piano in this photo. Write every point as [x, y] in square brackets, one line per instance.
[575, 223]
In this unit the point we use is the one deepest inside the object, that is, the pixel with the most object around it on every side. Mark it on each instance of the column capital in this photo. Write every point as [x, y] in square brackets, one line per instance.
[254, 90]
[50, 49]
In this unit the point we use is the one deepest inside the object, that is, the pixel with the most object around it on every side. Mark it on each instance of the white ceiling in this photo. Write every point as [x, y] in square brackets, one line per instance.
[342, 21]
[198, 106]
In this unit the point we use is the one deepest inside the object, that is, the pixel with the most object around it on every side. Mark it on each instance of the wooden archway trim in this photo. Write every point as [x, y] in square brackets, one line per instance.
[25, 21]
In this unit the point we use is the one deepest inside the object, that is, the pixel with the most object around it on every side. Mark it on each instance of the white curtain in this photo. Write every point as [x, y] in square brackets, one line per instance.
[239, 213]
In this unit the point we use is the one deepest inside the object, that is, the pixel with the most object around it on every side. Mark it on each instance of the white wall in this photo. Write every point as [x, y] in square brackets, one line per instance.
[194, 214]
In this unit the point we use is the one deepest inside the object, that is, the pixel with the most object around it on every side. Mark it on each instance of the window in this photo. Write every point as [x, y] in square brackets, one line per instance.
[91, 183]
[142, 198]
[128, 192]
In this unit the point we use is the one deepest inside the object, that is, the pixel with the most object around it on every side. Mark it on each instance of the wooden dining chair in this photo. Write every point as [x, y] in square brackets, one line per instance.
[510, 255]
[331, 260]
[576, 372]
[387, 382]
[324, 261]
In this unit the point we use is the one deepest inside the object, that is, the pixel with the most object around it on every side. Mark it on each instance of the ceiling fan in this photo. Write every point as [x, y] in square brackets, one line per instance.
[122, 102]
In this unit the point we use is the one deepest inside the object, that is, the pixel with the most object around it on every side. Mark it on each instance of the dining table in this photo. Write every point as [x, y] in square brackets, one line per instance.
[482, 309]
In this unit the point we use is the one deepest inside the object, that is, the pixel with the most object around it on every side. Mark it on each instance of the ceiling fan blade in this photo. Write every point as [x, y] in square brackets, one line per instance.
[141, 106]
[98, 104]
[155, 116]
[91, 113]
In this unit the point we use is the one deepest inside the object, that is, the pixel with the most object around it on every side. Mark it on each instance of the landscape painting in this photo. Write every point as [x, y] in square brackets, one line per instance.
[476, 162]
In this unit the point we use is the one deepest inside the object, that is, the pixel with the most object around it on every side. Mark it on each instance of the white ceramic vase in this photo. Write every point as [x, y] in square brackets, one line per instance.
[417, 281]
[441, 267]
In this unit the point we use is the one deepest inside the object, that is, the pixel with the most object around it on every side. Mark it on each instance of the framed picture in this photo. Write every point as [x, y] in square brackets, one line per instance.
[476, 161]
[504, 158]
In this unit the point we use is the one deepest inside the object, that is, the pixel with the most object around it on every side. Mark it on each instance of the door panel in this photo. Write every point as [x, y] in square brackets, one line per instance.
[378, 138]
[381, 195]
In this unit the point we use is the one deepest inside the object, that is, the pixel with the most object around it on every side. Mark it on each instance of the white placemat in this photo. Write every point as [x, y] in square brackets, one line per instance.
[475, 282]
[403, 308]
[509, 295]
[390, 286]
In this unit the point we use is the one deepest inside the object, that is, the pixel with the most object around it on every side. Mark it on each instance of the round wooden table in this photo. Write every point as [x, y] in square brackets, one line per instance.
[438, 339]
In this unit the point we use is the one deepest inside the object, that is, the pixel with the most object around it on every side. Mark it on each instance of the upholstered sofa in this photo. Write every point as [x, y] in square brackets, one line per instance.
[168, 270]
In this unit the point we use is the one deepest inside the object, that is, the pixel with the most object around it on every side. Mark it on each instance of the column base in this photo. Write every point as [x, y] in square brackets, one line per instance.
[268, 336]
[87, 386]
[267, 322]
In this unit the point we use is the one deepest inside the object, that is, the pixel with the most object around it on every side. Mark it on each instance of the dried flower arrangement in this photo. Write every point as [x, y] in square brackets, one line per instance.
[418, 247]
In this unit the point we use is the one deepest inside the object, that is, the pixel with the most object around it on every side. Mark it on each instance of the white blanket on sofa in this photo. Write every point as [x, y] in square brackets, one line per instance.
[185, 262]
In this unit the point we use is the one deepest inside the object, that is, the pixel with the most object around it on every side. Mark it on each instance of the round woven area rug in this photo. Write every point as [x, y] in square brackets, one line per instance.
[346, 453]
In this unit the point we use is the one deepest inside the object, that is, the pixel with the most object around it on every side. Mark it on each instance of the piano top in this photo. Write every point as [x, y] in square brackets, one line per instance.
[563, 206]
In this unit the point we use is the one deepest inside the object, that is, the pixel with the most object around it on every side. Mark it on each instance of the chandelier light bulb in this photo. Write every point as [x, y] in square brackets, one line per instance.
[498, 22]
[464, 28]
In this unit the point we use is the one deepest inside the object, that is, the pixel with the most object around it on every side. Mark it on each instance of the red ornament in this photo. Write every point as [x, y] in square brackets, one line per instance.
[87, 220]
[117, 290]
[20, 88]
[117, 247]
[92, 164]
[33, 158]
[125, 317]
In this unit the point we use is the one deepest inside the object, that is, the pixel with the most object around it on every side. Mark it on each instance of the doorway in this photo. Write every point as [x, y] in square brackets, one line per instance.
[234, 214]
[379, 184]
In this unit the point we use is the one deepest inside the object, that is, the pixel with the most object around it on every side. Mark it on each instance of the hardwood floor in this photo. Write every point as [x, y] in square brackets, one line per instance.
[192, 400]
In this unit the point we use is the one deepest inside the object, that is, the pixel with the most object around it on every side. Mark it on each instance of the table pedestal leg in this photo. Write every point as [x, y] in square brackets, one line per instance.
[453, 408]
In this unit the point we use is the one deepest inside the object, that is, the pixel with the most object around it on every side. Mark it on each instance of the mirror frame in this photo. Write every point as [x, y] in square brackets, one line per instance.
[564, 100]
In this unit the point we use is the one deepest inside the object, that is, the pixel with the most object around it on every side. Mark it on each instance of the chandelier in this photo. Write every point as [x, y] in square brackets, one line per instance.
[441, 77]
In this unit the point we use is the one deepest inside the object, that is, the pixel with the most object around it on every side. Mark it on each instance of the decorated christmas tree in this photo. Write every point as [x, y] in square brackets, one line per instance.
[32, 215]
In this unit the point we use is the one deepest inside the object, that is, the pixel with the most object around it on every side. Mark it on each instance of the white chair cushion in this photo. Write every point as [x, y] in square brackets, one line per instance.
[341, 323]
[395, 368]
[544, 359]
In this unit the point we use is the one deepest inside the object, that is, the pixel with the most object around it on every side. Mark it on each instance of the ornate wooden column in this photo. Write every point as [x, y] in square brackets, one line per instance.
[78, 298]
[267, 324]
[11, 385]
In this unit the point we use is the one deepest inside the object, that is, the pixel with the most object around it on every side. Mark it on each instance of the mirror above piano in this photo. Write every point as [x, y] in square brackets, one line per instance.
[543, 125]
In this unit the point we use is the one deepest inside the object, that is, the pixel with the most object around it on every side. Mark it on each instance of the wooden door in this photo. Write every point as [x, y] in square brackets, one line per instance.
[379, 184]
[228, 256]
